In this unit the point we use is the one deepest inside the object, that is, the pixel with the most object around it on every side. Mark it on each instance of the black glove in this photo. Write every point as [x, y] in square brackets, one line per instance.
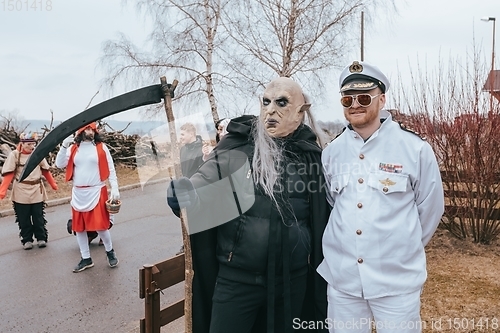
[181, 194]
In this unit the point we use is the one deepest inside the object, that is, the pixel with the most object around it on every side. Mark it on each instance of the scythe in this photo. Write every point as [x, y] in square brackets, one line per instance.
[140, 97]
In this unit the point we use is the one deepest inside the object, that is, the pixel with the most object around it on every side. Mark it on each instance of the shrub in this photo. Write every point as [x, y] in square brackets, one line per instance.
[455, 116]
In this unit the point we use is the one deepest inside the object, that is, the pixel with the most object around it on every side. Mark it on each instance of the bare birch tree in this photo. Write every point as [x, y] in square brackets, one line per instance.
[183, 43]
[292, 38]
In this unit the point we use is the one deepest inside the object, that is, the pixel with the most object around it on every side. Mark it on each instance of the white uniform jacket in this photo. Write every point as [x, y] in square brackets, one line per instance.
[387, 199]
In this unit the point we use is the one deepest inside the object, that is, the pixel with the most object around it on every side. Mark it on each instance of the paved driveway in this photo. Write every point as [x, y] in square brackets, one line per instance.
[40, 293]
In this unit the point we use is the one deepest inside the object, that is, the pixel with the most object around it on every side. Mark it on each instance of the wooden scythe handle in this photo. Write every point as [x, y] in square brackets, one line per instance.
[168, 90]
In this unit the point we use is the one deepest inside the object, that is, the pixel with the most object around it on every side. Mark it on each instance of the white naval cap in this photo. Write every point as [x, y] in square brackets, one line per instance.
[362, 76]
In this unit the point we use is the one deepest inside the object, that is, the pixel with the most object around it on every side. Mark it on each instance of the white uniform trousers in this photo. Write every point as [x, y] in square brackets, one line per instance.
[392, 314]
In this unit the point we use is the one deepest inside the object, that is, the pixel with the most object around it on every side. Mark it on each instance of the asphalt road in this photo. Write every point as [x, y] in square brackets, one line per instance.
[39, 293]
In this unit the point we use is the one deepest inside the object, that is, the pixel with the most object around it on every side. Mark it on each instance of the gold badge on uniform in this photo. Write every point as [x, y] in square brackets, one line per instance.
[387, 182]
[356, 67]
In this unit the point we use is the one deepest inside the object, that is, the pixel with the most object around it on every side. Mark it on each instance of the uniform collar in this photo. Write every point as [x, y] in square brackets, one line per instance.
[385, 118]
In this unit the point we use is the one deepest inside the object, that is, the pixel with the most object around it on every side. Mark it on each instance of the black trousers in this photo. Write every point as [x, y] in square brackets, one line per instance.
[31, 220]
[206, 266]
[242, 308]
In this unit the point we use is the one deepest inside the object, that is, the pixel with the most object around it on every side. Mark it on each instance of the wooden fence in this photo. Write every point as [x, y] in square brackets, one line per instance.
[152, 280]
[460, 190]
[472, 205]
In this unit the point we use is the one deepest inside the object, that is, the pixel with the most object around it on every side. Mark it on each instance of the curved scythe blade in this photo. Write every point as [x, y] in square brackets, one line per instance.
[140, 97]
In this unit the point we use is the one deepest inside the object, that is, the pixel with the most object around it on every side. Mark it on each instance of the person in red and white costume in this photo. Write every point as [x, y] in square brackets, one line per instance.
[89, 164]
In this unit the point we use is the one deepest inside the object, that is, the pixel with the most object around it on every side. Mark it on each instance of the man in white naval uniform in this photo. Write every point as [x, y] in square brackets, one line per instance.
[385, 189]
[89, 164]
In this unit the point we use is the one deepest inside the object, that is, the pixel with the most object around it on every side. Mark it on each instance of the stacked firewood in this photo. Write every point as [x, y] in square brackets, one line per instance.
[9, 139]
[122, 147]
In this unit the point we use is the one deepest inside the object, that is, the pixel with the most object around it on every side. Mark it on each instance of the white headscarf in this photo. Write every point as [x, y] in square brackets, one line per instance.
[224, 124]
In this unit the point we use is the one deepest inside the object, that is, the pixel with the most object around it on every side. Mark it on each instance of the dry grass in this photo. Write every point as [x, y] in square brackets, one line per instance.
[462, 290]
[463, 284]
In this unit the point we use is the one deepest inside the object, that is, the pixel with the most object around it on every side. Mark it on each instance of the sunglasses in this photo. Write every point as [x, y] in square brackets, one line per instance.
[364, 100]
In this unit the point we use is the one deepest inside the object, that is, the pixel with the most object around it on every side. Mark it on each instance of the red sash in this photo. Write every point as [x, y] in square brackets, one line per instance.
[101, 158]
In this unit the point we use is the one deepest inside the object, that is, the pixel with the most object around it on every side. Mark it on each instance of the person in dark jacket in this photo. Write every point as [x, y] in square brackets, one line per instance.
[257, 211]
[191, 154]
[191, 151]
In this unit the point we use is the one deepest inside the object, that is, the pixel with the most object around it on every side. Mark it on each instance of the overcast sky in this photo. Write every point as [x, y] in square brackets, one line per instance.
[48, 58]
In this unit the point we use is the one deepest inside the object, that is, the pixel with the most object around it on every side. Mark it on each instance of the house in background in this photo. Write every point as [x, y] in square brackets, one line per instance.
[492, 84]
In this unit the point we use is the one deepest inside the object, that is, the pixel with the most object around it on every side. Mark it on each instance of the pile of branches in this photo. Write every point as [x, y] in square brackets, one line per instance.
[121, 146]
[9, 139]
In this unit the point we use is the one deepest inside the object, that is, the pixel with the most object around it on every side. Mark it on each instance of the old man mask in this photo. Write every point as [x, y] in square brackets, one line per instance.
[282, 107]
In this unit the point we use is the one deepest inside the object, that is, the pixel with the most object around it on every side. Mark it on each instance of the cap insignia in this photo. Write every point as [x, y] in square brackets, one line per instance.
[356, 67]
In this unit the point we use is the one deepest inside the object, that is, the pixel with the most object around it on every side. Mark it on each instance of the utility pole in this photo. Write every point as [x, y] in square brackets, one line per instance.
[362, 35]
[492, 73]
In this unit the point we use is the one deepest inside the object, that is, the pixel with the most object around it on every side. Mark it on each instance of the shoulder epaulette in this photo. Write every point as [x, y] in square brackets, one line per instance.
[405, 128]
[336, 136]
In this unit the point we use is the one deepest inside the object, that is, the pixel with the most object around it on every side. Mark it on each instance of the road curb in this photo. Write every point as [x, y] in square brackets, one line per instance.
[63, 201]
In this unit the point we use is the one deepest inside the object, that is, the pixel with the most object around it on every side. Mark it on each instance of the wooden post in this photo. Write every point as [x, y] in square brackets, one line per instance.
[151, 303]
[168, 90]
